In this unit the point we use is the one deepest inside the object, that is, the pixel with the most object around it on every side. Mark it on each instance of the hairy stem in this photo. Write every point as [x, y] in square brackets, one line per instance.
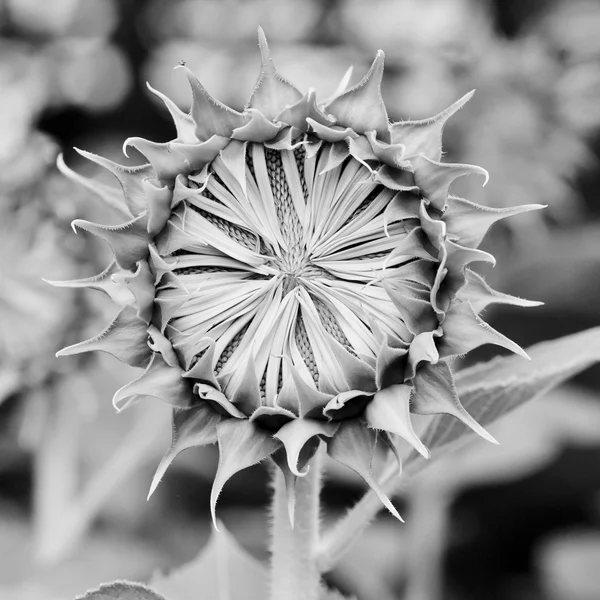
[294, 571]
[341, 536]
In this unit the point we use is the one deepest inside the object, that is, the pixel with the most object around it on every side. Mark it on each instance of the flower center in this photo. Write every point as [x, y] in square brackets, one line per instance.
[281, 268]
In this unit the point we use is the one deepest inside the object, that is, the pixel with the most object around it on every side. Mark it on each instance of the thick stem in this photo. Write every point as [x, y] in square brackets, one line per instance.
[294, 572]
[339, 539]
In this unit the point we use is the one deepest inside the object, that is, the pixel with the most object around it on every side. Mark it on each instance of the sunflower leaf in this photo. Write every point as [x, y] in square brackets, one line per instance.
[222, 571]
[121, 590]
[490, 390]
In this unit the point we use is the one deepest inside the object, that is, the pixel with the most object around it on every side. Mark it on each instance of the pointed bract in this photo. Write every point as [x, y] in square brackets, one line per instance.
[468, 222]
[159, 380]
[361, 108]
[192, 427]
[390, 411]
[480, 294]
[129, 241]
[241, 445]
[272, 92]
[353, 445]
[435, 178]
[210, 116]
[125, 338]
[435, 393]
[425, 136]
[464, 331]
[297, 435]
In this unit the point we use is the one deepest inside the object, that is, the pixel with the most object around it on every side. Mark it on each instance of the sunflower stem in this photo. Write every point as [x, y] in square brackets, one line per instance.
[339, 539]
[294, 571]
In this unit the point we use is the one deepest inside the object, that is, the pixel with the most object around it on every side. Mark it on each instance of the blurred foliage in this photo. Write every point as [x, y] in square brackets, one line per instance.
[73, 72]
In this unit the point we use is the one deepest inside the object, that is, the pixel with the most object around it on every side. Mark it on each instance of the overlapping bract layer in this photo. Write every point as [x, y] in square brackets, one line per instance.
[293, 273]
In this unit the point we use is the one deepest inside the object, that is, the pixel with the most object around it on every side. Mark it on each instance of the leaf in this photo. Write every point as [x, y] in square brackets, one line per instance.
[222, 571]
[121, 590]
[490, 390]
[327, 594]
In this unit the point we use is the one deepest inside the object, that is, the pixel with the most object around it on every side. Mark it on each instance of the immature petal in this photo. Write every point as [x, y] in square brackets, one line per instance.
[297, 436]
[390, 411]
[141, 285]
[204, 367]
[241, 445]
[353, 445]
[297, 114]
[468, 222]
[435, 393]
[391, 365]
[298, 395]
[125, 338]
[403, 206]
[218, 401]
[159, 205]
[361, 108]
[425, 137]
[331, 134]
[272, 93]
[272, 418]
[193, 426]
[129, 241]
[258, 129]
[464, 331]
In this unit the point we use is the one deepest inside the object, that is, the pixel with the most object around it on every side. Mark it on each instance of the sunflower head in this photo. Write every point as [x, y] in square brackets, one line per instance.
[294, 273]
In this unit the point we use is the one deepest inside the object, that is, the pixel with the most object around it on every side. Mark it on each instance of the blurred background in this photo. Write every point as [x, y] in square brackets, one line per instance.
[518, 522]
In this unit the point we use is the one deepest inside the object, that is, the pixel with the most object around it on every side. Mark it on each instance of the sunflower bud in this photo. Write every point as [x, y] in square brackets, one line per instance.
[292, 273]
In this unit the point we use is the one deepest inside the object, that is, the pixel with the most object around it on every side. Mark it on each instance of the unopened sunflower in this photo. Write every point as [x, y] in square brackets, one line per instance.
[292, 273]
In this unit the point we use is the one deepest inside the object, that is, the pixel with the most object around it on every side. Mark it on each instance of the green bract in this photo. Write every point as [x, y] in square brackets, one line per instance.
[292, 273]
